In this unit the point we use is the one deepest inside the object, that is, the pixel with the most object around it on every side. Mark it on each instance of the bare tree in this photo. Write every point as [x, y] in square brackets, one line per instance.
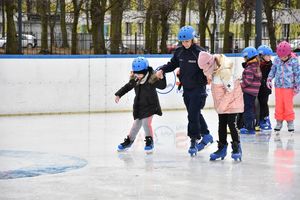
[11, 41]
[165, 8]
[52, 22]
[98, 9]
[269, 7]
[228, 16]
[76, 11]
[3, 17]
[248, 8]
[204, 7]
[63, 26]
[184, 5]
[42, 8]
[117, 8]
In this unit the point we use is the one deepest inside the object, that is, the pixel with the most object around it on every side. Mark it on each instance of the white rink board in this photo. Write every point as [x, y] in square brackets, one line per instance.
[63, 84]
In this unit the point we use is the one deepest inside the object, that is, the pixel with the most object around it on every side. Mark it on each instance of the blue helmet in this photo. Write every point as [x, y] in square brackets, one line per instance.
[249, 52]
[186, 33]
[264, 50]
[140, 64]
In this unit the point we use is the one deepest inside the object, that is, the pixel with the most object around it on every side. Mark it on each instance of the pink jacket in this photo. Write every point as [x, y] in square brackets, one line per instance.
[226, 99]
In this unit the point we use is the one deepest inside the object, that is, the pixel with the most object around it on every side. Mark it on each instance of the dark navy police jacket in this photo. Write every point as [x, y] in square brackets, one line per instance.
[191, 76]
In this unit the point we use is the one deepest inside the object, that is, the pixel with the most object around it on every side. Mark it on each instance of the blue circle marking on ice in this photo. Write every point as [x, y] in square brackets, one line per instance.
[21, 164]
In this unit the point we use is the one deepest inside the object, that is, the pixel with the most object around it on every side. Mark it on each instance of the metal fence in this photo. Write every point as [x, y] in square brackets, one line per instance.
[135, 44]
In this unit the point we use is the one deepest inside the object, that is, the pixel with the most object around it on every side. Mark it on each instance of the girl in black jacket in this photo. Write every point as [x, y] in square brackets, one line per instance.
[146, 102]
[265, 53]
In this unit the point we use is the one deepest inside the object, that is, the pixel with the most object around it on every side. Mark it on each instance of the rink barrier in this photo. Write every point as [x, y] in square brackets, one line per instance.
[72, 84]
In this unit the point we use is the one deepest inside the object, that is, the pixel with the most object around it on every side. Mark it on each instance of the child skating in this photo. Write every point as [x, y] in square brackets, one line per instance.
[250, 85]
[286, 73]
[228, 100]
[265, 53]
[146, 102]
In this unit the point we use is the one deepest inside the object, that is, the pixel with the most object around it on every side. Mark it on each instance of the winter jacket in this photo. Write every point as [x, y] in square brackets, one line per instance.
[286, 74]
[265, 68]
[226, 89]
[191, 76]
[251, 78]
[146, 102]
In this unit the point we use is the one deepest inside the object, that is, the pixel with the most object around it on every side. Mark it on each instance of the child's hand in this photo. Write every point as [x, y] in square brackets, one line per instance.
[117, 99]
[159, 74]
[269, 83]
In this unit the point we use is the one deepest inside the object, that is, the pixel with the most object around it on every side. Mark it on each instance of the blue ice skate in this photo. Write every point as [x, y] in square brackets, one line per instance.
[220, 153]
[193, 148]
[206, 139]
[236, 153]
[265, 125]
[125, 145]
[246, 131]
[149, 144]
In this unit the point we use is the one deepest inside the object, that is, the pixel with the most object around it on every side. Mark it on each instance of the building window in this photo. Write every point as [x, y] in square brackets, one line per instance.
[265, 32]
[140, 5]
[140, 28]
[128, 28]
[285, 30]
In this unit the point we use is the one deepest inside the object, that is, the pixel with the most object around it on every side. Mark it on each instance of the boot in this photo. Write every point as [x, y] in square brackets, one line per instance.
[125, 145]
[278, 126]
[236, 153]
[220, 153]
[149, 144]
[206, 139]
[193, 148]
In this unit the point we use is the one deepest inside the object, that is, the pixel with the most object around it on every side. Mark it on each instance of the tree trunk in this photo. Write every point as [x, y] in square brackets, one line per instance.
[270, 24]
[164, 33]
[52, 22]
[148, 28]
[63, 26]
[97, 15]
[3, 17]
[248, 14]
[116, 27]
[42, 9]
[11, 40]
[228, 16]
[76, 6]
[184, 5]
[204, 7]
[154, 29]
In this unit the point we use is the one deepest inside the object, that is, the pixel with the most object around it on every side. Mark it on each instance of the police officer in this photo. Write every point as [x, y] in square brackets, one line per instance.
[194, 87]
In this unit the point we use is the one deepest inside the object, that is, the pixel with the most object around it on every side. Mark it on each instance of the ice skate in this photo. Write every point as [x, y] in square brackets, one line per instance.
[193, 148]
[125, 145]
[220, 153]
[246, 131]
[149, 145]
[277, 130]
[291, 129]
[206, 139]
[265, 125]
[236, 153]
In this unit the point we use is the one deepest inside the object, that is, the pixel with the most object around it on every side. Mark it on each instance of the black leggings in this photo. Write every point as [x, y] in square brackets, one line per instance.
[230, 120]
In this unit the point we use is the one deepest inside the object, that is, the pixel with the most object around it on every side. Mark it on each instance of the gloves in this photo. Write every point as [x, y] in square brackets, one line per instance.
[269, 83]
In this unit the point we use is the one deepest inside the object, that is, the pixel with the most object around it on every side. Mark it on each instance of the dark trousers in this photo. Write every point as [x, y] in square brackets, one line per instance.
[230, 120]
[249, 111]
[194, 100]
[263, 99]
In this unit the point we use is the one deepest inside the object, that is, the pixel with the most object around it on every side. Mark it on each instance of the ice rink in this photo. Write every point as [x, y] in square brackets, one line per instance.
[74, 157]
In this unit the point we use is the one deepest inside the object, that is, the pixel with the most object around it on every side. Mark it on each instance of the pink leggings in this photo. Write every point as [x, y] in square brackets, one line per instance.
[284, 104]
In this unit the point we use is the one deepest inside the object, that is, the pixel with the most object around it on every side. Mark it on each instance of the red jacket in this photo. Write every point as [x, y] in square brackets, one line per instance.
[251, 78]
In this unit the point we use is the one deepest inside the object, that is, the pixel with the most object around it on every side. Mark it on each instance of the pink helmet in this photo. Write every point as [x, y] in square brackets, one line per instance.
[283, 49]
